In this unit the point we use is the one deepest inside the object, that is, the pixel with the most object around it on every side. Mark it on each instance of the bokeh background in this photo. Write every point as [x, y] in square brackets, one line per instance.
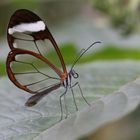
[78, 23]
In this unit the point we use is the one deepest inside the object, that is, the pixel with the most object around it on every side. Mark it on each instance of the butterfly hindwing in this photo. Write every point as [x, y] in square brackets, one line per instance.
[30, 75]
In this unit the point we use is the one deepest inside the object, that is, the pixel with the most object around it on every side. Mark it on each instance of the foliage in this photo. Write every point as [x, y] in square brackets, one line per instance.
[124, 14]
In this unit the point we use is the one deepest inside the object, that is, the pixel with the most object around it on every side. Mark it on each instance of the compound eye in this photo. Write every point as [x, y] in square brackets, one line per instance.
[75, 75]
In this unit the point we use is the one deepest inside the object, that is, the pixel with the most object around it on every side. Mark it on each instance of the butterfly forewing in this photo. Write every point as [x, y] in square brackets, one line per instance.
[27, 31]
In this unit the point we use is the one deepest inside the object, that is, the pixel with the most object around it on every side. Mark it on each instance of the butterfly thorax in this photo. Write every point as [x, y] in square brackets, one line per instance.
[67, 81]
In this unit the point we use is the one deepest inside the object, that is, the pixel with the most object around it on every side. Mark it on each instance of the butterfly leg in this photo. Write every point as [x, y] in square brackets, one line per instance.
[71, 87]
[65, 106]
[77, 84]
[61, 104]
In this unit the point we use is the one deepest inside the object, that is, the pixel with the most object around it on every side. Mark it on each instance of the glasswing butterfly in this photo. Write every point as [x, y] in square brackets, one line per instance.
[31, 45]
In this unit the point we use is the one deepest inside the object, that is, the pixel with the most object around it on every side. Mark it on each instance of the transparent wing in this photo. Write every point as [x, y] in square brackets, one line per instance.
[21, 34]
[30, 71]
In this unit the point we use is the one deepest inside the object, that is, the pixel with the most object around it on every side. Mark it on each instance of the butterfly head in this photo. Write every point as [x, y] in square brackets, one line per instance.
[74, 74]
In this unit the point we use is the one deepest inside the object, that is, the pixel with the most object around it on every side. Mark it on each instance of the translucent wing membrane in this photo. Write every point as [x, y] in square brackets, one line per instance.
[43, 47]
[31, 73]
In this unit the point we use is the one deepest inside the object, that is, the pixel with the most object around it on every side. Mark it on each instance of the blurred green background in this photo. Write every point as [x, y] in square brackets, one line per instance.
[76, 24]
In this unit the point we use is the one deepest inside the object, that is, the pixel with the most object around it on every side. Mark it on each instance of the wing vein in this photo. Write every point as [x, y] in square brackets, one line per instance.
[37, 82]
[37, 71]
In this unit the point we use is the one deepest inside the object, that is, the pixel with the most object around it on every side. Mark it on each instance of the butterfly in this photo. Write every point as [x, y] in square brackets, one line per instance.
[29, 40]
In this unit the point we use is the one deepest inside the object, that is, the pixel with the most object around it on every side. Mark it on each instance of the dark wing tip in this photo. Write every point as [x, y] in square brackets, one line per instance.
[23, 16]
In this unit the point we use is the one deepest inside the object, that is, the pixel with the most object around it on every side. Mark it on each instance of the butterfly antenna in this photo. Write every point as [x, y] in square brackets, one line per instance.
[82, 52]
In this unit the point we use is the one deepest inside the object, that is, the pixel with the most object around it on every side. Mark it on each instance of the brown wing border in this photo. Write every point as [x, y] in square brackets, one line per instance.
[11, 58]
